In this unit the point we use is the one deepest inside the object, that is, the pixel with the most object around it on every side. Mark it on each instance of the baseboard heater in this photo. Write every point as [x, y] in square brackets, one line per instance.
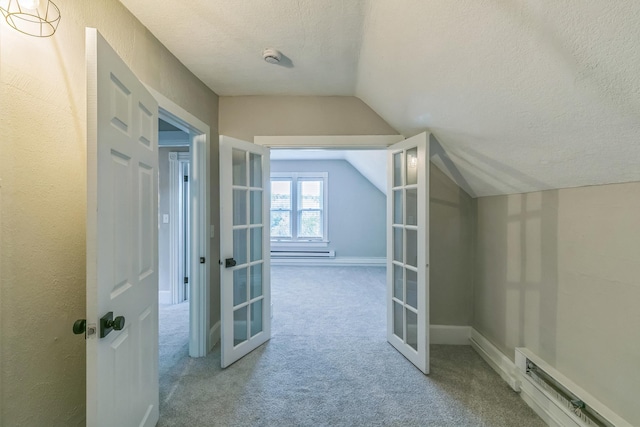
[309, 253]
[564, 394]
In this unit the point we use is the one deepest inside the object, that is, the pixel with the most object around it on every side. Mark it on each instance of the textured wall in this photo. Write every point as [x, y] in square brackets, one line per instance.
[356, 208]
[43, 196]
[557, 271]
[451, 213]
[247, 116]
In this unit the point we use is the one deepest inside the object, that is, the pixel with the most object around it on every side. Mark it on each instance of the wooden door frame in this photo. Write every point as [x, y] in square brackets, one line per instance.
[199, 148]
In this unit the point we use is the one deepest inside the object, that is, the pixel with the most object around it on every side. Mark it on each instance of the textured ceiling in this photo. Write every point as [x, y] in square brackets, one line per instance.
[221, 42]
[521, 95]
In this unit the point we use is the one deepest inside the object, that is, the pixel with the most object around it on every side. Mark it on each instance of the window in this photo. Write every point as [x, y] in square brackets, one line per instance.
[298, 207]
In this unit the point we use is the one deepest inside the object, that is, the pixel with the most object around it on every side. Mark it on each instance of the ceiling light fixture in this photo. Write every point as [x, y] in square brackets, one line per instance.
[272, 56]
[38, 18]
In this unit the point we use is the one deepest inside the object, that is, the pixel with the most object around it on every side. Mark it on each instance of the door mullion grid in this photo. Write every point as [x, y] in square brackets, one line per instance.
[403, 181]
[247, 163]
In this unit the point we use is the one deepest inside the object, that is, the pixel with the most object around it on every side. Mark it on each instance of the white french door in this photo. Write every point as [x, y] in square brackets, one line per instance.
[122, 235]
[408, 249]
[244, 248]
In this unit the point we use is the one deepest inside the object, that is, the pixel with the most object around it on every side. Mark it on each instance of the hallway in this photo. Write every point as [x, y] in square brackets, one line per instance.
[328, 363]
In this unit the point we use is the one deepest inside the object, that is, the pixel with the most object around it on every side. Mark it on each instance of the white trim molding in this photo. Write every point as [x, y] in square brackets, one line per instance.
[329, 141]
[547, 408]
[335, 262]
[178, 168]
[199, 286]
[496, 359]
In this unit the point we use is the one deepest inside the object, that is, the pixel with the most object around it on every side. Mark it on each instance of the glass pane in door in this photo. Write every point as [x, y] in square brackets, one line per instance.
[412, 248]
[239, 286]
[412, 329]
[256, 243]
[412, 206]
[412, 288]
[240, 325]
[255, 207]
[256, 281]
[397, 282]
[397, 169]
[255, 170]
[412, 166]
[239, 207]
[239, 167]
[256, 317]
[240, 246]
[397, 244]
[397, 320]
[397, 207]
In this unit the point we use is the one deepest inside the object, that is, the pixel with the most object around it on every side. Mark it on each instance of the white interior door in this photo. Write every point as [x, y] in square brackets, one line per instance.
[244, 248]
[408, 249]
[122, 231]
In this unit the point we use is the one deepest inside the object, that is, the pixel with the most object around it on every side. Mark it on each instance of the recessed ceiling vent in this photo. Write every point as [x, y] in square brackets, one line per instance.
[272, 56]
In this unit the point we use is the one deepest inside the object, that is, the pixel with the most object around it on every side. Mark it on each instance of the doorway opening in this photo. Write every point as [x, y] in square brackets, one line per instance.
[328, 207]
[328, 238]
[173, 234]
[184, 149]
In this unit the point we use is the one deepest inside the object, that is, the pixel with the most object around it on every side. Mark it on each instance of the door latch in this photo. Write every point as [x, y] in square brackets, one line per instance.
[108, 324]
[229, 262]
[80, 326]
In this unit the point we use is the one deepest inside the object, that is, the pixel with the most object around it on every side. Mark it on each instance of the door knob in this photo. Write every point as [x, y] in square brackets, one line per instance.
[108, 323]
[229, 262]
[79, 326]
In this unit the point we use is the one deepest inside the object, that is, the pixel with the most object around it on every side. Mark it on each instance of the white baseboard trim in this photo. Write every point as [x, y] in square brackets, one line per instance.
[541, 403]
[164, 297]
[496, 359]
[449, 334]
[214, 336]
[335, 262]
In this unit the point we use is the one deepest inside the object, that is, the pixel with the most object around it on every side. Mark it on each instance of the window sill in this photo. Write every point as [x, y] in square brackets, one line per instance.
[275, 244]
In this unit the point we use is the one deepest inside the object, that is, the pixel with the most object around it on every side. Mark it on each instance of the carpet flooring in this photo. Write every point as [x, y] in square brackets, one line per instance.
[329, 364]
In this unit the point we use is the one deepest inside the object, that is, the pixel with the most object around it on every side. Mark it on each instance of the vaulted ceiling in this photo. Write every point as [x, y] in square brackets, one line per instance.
[521, 95]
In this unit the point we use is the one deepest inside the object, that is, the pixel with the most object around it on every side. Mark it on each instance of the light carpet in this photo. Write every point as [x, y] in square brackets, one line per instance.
[329, 364]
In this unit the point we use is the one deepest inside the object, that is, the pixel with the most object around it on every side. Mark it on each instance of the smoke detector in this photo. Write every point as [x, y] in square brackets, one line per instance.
[272, 56]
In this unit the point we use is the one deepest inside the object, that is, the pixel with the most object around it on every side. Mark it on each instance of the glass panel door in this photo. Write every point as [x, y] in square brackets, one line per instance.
[408, 250]
[244, 240]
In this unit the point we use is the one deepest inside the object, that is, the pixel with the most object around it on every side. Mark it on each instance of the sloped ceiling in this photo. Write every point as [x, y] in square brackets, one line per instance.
[368, 162]
[520, 95]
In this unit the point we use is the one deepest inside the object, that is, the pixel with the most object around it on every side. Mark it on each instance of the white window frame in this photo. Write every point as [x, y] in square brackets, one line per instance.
[295, 177]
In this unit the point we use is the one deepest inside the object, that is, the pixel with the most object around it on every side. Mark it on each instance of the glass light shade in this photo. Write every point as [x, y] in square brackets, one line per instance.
[38, 18]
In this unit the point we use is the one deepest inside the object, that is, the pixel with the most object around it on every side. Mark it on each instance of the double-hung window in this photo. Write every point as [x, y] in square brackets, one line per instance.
[298, 207]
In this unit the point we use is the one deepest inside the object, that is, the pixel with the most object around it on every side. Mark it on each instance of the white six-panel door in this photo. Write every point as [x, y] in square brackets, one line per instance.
[408, 249]
[122, 227]
[244, 248]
